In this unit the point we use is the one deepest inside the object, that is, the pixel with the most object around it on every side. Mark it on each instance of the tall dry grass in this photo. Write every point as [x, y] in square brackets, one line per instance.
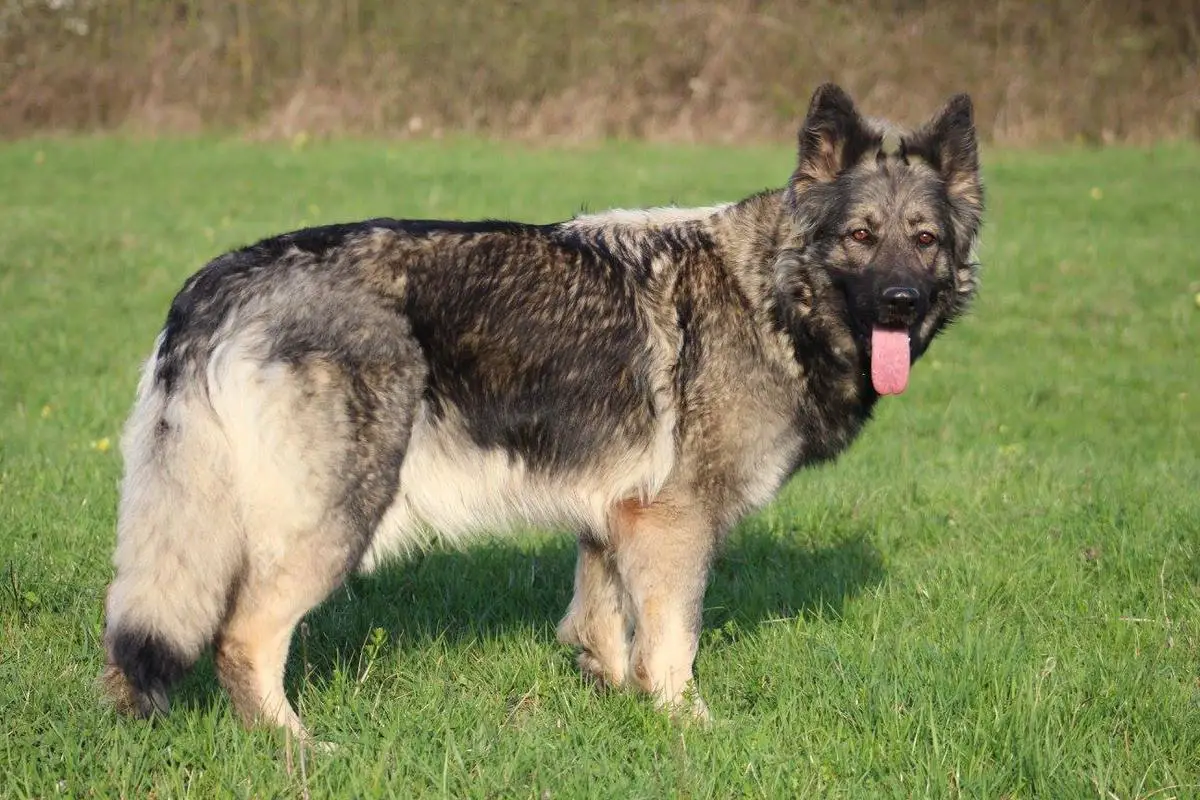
[690, 69]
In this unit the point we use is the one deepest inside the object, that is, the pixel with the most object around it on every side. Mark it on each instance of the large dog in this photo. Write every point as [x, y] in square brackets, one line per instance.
[326, 397]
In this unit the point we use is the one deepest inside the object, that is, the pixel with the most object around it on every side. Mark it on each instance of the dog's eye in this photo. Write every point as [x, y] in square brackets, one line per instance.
[860, 235]
[926, 239]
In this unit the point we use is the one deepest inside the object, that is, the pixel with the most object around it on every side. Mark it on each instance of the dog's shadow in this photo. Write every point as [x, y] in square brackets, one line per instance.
[499, 586]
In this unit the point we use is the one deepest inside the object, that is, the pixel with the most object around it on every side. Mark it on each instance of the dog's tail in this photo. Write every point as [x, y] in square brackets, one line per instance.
[180, 546]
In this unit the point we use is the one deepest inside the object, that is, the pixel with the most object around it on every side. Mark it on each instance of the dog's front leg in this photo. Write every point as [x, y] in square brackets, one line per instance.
[599, 619]
[663, 551]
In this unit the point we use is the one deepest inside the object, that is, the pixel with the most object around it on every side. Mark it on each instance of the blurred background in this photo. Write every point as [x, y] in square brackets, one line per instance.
[689, 70]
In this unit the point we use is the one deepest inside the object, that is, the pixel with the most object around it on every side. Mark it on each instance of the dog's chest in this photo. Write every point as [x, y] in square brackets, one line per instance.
[766, 462]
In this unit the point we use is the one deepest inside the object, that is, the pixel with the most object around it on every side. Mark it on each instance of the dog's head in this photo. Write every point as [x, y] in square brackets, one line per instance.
[880, 227]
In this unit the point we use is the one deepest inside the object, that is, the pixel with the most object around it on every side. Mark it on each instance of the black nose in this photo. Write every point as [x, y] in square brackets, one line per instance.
[900, 300]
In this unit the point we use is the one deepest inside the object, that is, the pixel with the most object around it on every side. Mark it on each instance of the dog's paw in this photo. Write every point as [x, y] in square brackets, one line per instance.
[567, 633]
[594, 670]
[321, 747]
[687, 709]
[304, 745]
[694, 711]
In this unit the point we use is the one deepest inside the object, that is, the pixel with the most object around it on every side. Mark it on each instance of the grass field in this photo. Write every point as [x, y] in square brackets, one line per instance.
[995, 593]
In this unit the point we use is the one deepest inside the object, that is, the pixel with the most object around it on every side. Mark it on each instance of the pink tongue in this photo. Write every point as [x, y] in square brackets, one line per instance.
[889, 360]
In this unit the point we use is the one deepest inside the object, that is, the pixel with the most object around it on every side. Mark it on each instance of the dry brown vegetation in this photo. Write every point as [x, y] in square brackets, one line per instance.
[686, 70]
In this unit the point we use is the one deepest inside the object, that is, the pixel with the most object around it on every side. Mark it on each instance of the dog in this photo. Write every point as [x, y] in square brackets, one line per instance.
[325, 399]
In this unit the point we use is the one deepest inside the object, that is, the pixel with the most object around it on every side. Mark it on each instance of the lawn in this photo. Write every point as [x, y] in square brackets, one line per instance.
[996, 592]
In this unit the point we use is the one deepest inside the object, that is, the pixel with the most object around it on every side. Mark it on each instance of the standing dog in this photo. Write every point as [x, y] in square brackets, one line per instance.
[326, 397]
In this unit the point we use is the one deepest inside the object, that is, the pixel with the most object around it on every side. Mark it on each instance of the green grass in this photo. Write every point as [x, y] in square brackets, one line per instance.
[996, 592]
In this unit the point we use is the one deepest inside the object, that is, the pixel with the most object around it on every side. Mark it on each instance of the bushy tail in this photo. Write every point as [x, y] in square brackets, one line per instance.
[179, 550]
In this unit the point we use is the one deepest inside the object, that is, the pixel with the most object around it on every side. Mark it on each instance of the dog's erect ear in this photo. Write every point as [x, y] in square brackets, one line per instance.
[949, 144]
[833, 137]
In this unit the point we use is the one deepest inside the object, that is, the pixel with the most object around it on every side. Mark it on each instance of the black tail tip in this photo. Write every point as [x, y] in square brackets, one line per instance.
[141, 668]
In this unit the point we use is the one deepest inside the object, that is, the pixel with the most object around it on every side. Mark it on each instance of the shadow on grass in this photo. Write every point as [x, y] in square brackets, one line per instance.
[500, 586]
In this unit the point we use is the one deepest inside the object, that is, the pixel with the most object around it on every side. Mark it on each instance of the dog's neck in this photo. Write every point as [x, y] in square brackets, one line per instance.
[745, 231]
[752, 235]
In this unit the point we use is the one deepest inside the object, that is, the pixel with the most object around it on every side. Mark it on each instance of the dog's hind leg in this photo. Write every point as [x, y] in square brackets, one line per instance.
[338, 436]
[252, 647]
[663, 552]
[599, 620]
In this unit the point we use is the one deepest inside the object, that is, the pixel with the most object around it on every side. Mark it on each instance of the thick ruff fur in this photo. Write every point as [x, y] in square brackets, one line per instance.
[325, 398]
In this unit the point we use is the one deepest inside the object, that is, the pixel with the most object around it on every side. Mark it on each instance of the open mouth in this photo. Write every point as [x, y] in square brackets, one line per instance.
[890, 359]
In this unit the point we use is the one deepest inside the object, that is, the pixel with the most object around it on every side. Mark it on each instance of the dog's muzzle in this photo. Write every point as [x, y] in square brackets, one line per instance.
[898, 306]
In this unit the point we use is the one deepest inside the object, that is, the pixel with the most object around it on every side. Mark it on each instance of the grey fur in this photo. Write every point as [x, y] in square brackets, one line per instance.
[326, 398]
